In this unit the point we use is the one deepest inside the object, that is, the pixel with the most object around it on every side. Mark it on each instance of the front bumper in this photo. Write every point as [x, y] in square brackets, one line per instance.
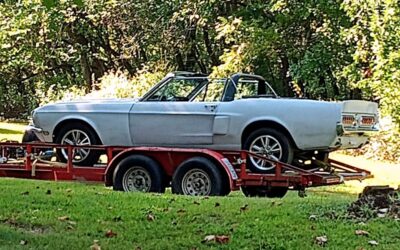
[38, 131]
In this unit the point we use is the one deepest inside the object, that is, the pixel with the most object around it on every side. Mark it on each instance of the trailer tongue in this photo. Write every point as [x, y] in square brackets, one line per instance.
[187, 171]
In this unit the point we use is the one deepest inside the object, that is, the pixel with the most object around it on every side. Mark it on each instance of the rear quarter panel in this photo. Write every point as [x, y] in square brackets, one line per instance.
[312, 124]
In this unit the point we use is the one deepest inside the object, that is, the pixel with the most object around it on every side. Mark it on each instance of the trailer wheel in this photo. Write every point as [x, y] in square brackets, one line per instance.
[270, 192]
[138, 173]
[197, 176]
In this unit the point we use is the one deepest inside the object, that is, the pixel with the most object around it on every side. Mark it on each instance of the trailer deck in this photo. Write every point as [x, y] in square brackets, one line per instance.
[29, 160]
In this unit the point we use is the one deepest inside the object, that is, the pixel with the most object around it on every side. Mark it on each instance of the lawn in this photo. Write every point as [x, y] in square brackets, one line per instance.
[65, 215]
[12, 131]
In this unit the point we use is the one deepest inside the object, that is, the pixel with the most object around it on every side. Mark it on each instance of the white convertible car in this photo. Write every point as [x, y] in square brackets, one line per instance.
[191, 110]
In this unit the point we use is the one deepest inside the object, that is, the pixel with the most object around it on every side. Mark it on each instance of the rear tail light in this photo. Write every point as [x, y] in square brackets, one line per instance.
[348, 120]
[367, 120]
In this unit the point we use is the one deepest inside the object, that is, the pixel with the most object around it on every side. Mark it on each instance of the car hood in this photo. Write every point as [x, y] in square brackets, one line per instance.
[90, 105]
[104, 100]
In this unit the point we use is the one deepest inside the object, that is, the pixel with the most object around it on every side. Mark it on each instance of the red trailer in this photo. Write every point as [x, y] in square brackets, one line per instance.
[187, 171]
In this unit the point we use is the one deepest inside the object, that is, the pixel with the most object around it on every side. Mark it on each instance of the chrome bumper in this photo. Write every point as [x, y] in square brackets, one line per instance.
[33, 128]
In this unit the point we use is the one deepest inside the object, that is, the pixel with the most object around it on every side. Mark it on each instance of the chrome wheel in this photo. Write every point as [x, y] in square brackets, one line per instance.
[136, 179]
[196, 182]
[267, 146]
[76, 137]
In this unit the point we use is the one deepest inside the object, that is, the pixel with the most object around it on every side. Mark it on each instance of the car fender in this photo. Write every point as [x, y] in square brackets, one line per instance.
[80, 118]
[270, 119]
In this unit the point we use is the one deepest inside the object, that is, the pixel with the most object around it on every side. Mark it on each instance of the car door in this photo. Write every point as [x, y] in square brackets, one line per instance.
[167, 119]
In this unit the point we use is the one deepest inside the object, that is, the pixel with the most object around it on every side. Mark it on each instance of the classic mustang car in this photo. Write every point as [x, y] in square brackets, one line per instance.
[191, 110]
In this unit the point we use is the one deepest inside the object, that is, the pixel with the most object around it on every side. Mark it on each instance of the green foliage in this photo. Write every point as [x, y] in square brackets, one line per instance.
[320, 49]
[383, 145]
[375, 34]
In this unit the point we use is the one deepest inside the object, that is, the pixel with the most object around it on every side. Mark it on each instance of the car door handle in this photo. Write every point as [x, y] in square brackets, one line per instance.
[211, 107]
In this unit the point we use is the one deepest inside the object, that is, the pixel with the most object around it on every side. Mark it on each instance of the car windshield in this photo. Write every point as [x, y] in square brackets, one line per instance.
[202, 89]
[178, 89]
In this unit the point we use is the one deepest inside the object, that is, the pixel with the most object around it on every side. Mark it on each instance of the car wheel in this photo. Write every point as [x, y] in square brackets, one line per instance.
[270, 192]
[78, 134]
[270, 143]
[138, 173]
[198, 176]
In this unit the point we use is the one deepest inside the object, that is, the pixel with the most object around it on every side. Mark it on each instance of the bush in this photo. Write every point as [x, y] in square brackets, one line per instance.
[384, 145]
[119, 85]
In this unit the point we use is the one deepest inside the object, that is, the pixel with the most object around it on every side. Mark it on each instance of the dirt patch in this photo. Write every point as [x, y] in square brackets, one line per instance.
[376, 202]
[34, 229]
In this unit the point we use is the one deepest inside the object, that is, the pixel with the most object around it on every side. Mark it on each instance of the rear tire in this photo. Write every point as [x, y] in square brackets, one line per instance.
[271, 143]
[87, 137]
[269, 192]
[138, 173]
[198, 176]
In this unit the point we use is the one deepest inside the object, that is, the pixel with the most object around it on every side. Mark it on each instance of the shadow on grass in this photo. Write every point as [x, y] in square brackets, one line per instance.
[9, 131]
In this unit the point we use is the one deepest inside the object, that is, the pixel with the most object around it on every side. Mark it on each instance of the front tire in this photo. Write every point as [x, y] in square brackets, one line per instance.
[270, 143]
[82, 135]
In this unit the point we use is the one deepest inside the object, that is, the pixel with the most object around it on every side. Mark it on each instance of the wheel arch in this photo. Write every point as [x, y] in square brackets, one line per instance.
[254, 125]
[85, 122]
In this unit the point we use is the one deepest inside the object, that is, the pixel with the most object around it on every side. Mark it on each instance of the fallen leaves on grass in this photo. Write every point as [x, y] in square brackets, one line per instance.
[244, 208]
[117, 218]
[221, 239]
[312, 217]
[110, 234]
[63, 218]
[373, 243]
[361, 232]
[95, 245]
[321, 240]
[276, 203]
[181, 211]
[150, 217]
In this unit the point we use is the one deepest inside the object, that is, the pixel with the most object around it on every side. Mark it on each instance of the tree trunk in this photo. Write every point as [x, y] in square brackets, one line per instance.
[286, 79]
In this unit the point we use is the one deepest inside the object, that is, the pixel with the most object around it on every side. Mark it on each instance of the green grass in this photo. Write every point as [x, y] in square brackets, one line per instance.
[30, 212]
[180, 222]
[12, 131]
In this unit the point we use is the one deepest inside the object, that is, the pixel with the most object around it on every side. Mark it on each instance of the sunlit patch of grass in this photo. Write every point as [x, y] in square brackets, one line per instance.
[11, 131]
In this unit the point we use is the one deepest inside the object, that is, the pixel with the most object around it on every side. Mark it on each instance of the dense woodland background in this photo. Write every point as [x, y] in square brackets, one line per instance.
[319, 49]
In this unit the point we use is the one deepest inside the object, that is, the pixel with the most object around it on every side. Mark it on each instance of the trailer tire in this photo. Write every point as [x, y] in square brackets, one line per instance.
[269, 192]
[198, 176]
[138, 173]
